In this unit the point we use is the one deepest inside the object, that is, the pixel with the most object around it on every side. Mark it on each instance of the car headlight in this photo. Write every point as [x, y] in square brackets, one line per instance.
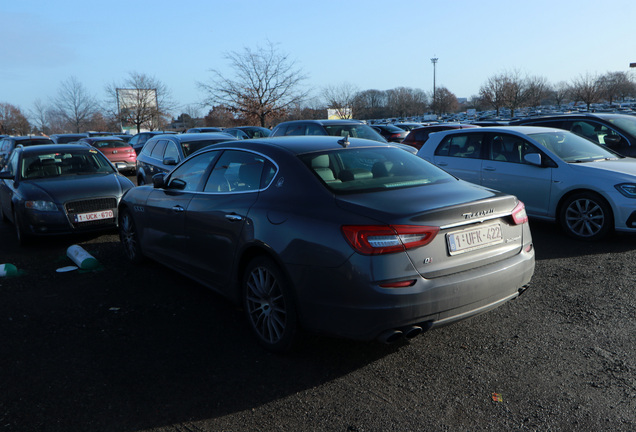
[627, 189]
[40, 205]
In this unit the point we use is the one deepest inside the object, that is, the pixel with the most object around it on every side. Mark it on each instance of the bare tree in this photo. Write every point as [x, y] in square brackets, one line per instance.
[341, 98]
[493, 92]
[219, 116]
[561, 92]
[41, 115]
[266, 84]
[616, 85]
[445, 101]
[537, 90]
[74, 104]
[406, 101]
[141, 100]
[587, 89]
[12, 121]
[515, 91]
[370, 104]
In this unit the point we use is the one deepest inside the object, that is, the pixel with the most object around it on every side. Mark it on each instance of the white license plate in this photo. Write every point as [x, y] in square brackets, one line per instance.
[474, 238]
[86, 217]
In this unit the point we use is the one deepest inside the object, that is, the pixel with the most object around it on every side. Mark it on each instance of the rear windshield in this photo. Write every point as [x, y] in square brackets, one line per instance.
[356, 170]
[35, 141]
[190, 147]
[68, 139]
[110, 144]
[355, 131]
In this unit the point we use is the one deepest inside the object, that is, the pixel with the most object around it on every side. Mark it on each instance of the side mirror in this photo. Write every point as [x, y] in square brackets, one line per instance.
[159, 181]
[533, 159]
[6, 175]
[170, 161]
[612, 139]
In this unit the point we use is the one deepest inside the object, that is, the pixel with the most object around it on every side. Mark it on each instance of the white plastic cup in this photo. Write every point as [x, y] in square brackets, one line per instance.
[8, 270]
[81, 258]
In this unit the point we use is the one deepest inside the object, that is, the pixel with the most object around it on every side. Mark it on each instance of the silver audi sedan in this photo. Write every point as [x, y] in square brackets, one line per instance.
[346, 237]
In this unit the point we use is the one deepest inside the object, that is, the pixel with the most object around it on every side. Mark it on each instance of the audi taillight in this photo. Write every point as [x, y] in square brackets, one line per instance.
[385, 239]
[519, 215]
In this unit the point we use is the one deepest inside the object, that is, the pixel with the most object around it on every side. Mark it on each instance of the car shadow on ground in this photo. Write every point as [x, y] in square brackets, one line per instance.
[559, 245]
[129, 348]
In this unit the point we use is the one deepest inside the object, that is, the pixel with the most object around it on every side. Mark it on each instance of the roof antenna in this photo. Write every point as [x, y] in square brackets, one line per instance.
[344, 142]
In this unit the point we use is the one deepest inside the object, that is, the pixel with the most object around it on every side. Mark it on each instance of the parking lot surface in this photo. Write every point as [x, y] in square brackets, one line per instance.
[125, 348]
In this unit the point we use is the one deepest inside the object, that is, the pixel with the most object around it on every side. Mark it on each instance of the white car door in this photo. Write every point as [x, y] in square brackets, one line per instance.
[505, 169]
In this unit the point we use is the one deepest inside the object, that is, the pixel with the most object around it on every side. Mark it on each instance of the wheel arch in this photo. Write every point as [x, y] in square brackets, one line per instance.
[572, 192]
[248, 254]
[603, 231]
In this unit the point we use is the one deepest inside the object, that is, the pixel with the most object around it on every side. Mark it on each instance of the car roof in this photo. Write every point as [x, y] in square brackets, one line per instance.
[102, 138]
[299, 144]
[55, 148]
[325, 122]
[197, 136]
[28, 138]
[68, 134]
[523, 130]
[572, 116]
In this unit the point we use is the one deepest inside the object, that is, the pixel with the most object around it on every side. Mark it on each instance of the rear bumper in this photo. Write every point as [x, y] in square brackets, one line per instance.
[366, 311]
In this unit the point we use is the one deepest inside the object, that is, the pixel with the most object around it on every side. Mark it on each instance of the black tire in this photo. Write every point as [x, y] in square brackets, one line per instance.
[3, 216]
[269, 306]
[23, 238]
[586, 216]
[129, 237]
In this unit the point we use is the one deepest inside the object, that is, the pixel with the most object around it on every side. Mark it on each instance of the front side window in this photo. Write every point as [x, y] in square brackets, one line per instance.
[509, 148]
[12, 165]
[626, 123]
[171, 152]
[355, 170]
[187, 176]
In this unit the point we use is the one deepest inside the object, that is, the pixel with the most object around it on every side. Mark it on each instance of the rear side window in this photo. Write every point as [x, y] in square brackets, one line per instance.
[157, 151]
[296, 129]
[461, 145]
[238, 171]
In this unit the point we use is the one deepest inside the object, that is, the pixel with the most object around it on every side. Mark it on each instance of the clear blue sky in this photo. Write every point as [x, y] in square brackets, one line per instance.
[370, 44]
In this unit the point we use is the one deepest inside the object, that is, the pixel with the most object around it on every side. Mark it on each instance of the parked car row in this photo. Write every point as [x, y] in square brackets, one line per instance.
[326, 226]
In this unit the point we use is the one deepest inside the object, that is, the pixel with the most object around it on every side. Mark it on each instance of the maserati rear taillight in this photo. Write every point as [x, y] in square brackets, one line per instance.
[519, 215]
[385, 239]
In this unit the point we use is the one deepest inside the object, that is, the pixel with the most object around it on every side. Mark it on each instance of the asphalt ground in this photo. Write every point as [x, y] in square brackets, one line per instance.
[124, 348]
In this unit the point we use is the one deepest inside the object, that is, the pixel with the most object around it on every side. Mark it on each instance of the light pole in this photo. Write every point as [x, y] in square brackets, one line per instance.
[434, 61]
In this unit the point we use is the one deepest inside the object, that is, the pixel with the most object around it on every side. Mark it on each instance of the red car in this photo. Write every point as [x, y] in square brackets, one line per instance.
[417, 137]
[118, 151]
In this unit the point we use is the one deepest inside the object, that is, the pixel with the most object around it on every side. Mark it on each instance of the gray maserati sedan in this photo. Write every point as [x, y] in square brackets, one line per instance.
[341, 236]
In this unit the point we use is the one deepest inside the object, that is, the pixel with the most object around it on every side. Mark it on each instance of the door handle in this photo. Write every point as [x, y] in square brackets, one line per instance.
[233, 217]
[178, 209]
[442, 164]
[490, 169]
